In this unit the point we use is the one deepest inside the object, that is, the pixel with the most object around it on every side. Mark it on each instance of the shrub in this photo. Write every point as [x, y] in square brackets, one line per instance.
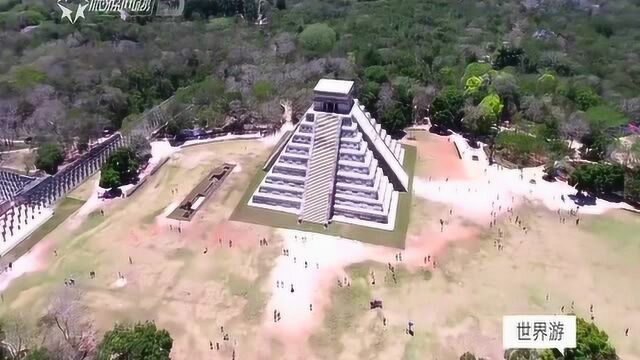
[598, 178]
[376, 74]
[49, 157]
[262, 90]
[318, 39]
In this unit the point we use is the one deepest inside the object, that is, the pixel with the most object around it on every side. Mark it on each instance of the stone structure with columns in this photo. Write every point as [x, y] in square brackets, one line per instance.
[339, 164]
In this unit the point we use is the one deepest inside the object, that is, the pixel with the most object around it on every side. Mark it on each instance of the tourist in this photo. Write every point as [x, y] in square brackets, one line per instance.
[310, 307]
[130, 261]
[626, 332]
[210, 345]
[292, 288]
[206, 250]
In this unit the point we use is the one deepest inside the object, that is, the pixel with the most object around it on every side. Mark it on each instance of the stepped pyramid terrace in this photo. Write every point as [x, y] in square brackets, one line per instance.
[337, 165]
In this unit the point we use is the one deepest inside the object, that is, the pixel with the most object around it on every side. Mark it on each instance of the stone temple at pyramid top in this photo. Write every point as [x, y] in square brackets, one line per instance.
[338, 165]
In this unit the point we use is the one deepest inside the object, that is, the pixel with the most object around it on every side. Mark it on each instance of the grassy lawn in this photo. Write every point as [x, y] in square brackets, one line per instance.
[64, 209]
[396, 238]
[621, 232]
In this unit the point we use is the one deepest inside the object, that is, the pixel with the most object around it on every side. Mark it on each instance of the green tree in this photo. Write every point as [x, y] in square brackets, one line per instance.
[263, 90]
[591, 343]
[447, 108]
[508, 56]
[375, 73]
[250, 9]
[121, 168]
[598, 178]
[632, 186]
[318, 39]
[393, 119]
[492, 106]
[586, 98]
[546, 84]
[597, 145]
[369, 94]
[281, 4]
[109, 178]
[49, 157]
[475, 69]
[478, 120]
[137, 342]
[472, 85]
[370, 57]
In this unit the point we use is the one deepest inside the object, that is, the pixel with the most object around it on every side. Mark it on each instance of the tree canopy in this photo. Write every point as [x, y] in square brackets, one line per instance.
[632, 186]
[137, 342]
[447, 108]
[318, 38]
[591, 343]
[121, 168]
[598, 178]
[49, 157]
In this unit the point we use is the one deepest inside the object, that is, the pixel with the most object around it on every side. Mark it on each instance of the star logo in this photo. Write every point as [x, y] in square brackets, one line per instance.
[80, 11]
[66, 12]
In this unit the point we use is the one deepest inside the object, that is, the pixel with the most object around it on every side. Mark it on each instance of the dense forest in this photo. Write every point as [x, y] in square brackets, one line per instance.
[558, 74]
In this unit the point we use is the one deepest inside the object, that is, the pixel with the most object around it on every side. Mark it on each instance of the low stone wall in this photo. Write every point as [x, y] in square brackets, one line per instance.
[128, 192]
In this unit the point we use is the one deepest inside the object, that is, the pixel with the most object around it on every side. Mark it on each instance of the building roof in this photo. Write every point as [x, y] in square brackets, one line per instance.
[334, 86]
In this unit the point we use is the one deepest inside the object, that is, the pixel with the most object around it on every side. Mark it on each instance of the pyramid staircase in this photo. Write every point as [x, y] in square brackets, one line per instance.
[319, 185]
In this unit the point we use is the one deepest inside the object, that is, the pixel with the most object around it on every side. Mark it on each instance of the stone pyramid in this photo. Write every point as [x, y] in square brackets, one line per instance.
[338, 165]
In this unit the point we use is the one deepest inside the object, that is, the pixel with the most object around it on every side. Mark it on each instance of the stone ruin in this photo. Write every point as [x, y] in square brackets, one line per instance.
[339, 164]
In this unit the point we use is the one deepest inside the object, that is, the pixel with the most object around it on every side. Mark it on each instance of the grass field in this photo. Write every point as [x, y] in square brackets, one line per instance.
[396, 238]
[63, 210]
[457, 307]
